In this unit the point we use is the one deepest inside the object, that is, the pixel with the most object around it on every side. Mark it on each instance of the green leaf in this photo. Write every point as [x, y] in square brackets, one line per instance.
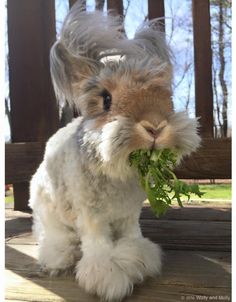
[155, 169]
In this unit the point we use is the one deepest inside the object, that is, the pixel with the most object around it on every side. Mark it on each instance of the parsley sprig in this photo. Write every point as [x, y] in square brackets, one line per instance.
[156, 174]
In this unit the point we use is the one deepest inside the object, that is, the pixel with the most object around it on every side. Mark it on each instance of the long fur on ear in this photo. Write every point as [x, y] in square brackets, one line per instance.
[153, 41]
[61, 72]
[87, 37]
[68, 69]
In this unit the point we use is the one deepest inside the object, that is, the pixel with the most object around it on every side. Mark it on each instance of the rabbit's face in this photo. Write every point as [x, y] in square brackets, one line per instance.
[132, 109]
[126, 105]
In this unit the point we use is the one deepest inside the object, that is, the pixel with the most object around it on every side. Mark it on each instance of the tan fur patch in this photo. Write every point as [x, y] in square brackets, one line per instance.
[136, 95]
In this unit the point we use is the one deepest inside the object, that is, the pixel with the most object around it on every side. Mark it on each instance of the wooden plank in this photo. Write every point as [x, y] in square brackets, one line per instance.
[22, 160]
[156, 9]
[172, 234]
[34, 111]
[185, 274]
[203, 65]
[212, 160]
[38, 290]
[189, 235]
[17, 224]
[116, 5]
[196, 213]
[18, 228]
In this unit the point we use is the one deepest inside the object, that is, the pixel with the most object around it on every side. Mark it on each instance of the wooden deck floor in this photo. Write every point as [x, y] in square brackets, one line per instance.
[196, 266]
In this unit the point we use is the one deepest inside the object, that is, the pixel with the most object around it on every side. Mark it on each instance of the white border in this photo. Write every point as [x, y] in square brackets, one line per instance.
[233, 152]
[2, 153]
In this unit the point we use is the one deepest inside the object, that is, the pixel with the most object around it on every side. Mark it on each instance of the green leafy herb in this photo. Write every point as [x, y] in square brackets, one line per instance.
[155, 169]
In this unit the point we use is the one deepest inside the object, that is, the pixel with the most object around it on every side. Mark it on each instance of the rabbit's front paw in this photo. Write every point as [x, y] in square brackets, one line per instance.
[139, 257]
[104, 278]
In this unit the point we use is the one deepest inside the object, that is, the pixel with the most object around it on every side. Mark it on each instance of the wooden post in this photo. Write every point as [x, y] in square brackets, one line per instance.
[72, 2]
[116, 5]
[156, 9]
[34, 111]
[203, 65]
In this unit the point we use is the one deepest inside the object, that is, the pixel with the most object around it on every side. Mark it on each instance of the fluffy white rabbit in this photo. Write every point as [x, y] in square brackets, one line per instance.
[85, 196]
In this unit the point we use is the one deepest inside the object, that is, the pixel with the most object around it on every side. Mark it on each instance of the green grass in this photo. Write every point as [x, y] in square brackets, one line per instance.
[216, 191]
[9, 199]
[215, 194]
[212, 191]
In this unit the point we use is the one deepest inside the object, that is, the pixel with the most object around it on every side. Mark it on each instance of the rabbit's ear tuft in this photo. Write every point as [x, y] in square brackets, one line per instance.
[61, 72]
[152, 40]
[68, 70]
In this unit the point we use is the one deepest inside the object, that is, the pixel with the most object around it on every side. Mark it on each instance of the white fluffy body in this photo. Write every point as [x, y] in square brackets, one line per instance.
[85, 196]
[80, 212]
[87, 216]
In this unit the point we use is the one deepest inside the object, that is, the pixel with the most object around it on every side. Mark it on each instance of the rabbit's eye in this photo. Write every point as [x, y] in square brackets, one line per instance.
[106, 100]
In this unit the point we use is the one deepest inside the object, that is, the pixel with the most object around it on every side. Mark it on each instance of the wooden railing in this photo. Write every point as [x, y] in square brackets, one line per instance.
[34, 111]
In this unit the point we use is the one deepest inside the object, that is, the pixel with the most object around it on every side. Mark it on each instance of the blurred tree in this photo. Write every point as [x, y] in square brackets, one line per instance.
[221, 46]
[99, 4]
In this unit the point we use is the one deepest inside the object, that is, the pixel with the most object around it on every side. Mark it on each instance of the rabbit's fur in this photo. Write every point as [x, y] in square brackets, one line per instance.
[85, 196]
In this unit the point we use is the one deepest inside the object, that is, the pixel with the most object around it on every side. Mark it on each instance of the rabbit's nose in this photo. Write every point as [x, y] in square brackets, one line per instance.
[152, 130]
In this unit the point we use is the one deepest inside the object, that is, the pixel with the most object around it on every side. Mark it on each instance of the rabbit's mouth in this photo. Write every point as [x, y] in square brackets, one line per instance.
[122, 136]
[115, 141]
[153, 145]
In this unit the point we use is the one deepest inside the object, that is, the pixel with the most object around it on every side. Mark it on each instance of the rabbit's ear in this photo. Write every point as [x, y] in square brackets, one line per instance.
[84, 39]
[152, 40]
[68, 70]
